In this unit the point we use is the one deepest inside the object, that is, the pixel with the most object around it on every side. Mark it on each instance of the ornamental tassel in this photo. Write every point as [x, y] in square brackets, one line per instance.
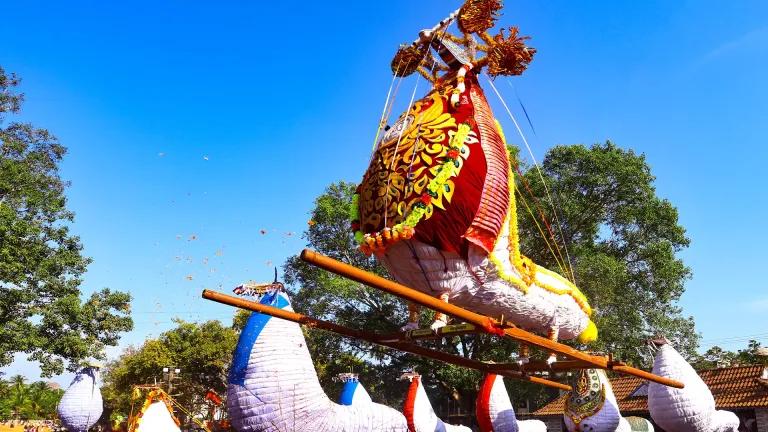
[477, 16]
[509, 56]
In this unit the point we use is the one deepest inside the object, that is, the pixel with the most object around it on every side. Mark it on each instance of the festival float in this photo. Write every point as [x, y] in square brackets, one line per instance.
[592, 406]
[437, 206]
[155, 412]
[688, 409]
[352, 393]
[419, 412]
[495, 412]
[81, 405]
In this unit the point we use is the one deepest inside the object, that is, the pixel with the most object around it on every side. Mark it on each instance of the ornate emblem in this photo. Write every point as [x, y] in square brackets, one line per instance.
[410, 156]
[587, 396]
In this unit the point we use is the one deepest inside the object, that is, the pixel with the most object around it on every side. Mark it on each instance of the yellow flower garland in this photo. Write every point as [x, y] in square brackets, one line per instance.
[524, 265]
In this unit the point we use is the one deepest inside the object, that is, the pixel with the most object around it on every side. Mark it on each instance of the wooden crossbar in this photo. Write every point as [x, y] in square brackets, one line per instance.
[428, 333]
[488, 324]
[373, 338]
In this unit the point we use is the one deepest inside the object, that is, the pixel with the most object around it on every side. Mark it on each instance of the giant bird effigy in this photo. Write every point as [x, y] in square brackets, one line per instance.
[437, 206]
[81, 405]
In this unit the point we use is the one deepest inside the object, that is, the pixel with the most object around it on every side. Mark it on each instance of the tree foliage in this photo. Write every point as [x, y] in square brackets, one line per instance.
[716, 357]
[202, 351]
[41, 262]
[622, 242]
[22, 401]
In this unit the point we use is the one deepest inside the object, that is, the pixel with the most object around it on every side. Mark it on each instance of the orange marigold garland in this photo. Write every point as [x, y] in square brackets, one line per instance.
[378, 242]
[407, 59]
[509, 55]
[478, 15]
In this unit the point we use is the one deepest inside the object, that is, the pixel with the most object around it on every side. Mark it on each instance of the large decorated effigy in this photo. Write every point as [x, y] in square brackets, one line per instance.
[273, 385]
[592, 406]
[437, 206]
[688, 409]
[81, 405]
[437, 203]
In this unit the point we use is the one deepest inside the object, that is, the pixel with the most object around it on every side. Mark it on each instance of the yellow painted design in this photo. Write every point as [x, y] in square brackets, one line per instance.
[431, 165]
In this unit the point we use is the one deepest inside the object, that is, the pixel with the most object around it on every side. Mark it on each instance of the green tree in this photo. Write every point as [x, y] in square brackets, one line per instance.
[713, 358]
[35, 401]
[622, 242]
[41, 262]
[716, 357]
[203, 352]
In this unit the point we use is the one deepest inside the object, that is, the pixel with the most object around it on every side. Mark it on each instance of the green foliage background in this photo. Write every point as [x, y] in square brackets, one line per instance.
[22, 401]
[622, 242]
[41, 262]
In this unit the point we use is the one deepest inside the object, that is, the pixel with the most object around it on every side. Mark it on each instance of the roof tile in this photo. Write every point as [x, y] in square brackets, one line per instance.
[732, 387]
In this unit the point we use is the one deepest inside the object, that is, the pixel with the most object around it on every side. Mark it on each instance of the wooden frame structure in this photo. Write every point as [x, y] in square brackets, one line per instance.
[383, 340]
[498, 327]
[473, 323]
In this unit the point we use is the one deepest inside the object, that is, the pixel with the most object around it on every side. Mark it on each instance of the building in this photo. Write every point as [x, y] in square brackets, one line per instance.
[740, 389]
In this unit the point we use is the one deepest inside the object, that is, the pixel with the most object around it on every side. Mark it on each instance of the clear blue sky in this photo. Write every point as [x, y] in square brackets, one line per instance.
[221, 119]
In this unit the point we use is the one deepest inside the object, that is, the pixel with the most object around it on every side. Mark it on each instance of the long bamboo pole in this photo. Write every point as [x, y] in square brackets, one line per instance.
[481, 321]
[369, 337]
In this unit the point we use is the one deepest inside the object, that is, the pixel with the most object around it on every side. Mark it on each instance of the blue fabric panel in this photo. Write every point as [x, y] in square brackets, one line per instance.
[348, 392]
[248, 336]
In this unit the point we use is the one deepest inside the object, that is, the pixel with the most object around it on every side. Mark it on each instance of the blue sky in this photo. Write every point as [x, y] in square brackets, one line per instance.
[193, 126]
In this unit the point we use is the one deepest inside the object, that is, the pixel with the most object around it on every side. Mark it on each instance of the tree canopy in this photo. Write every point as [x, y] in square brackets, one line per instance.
[22, 401]
[41, 261]
[716, 357]
[202, 351]
[622, 241]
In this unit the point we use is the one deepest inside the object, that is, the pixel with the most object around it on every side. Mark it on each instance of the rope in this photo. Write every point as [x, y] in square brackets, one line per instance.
[402, 131]
[384, 111]
[538, 170]
[541, 231]
[543, 218]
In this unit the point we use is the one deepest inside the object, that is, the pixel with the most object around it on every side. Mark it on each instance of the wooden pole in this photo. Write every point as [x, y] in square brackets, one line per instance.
[491, 325]
[428, 333]
[370, 337]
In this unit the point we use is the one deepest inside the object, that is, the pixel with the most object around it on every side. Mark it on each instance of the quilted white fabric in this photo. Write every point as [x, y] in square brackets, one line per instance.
[354, 393]
[499, 408]
[475, 284]
[273, 385]
[424, 418]
[608, 418]
[157, 419]
[81, 406]
[690, 409]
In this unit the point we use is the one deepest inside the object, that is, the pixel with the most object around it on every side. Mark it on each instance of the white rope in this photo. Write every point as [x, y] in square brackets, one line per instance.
[384, 117]
[538, 170]
[404, 126]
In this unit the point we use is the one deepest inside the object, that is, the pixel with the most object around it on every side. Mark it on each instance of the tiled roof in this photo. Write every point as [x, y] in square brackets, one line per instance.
[732, 387]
